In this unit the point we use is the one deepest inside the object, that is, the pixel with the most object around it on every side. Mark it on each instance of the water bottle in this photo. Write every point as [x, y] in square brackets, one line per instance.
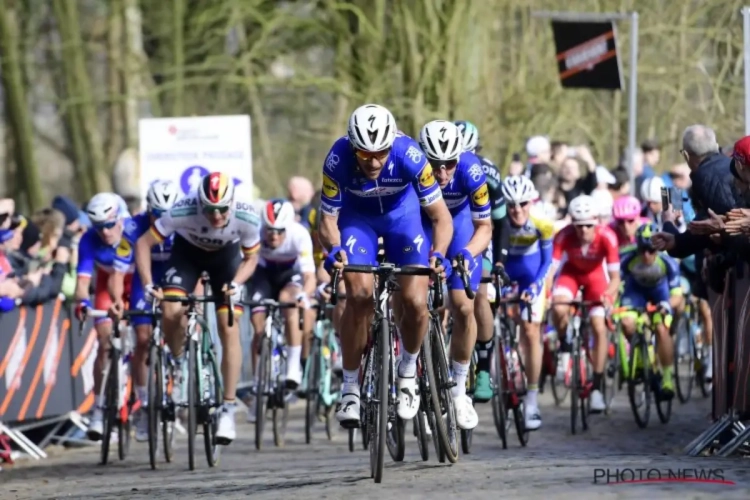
[275, 361]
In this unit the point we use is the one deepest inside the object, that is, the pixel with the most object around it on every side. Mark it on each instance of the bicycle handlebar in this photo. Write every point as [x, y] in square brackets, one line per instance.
[273, 304]
[461, 269]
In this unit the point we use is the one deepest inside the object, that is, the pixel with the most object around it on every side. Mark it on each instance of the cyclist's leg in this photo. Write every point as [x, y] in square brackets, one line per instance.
[103, 327]
[142, 327]
[258, 288]
[407, 244]
[358, 311]
[665, 346]
[485, 333]
[464, 334]
[531, 342]
[595, 285]
[183, 270]
[564, 290]
[289, 284]
[704, 309]
[632, 297]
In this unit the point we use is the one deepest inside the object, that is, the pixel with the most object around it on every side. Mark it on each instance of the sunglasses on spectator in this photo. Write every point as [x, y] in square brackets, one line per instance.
[516, 205]
[105, 225]
[369, 156]
[208, 209]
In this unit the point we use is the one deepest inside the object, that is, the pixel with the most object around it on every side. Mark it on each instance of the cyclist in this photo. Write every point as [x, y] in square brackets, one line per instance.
[496, 253]
[627, 214]
[374, 180]
[102, 248]
[604, 203]
[211, 224]
[529, 261]
[160, 198]
[285, 272]
[652, 276]
[587, 245]
[465, 192]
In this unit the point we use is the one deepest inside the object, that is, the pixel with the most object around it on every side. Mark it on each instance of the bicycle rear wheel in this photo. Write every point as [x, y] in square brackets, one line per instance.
[192, 401]
[684, 359]
[575, 385]
[167, 409]
[261, 384]
[385, 351]
[499, 407]
[155, 398]
[613, 370]
[280, 413]
[421, 433]
[123, 415]
[313, 385]
[471, 384]
[519, 410]
[640, 399]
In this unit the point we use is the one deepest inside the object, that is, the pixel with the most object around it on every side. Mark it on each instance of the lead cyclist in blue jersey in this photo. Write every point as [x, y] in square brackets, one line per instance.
[464, 187]
[160, 198]
[374, 181]
[651, 276]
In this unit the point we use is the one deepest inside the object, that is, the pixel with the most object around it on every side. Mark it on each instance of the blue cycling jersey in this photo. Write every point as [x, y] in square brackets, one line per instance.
[663, 270]
[93, 253]
[405, 181]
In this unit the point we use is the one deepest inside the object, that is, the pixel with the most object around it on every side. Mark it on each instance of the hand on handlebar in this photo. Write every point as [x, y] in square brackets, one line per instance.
[467, 258]
[81, 308]
[531, 293]
[117, 308]
[440, 264]
[303, 300]
[336, 258]
[152, 292]
[324, 292]
[607, 300]
[233, 292]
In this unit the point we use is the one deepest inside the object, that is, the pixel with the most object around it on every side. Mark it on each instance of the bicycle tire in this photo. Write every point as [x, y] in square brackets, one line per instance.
[264, 362]
[395, 439]
[313, 385]
[499, 408]
[154, 402]
[167, 423]
[421, 434]
[384, 345]
[110, 412]
[638, 345]
[705, 386]
[519, 410]
[123, 428]
[280, 411]
[471, 384]
[575, 384]
[212, 408]
[192, 401]
[364, 423]
[559, 389]
[612, 371]
[438, 380]
[352, 434]
[684, 366]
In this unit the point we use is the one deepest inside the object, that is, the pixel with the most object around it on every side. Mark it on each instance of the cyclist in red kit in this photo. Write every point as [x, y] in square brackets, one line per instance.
[587, 246]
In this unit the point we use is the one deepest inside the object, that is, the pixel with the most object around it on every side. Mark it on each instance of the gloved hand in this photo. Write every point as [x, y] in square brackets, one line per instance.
[303, 300]
[469, 263]
[331, 258]
[81, 307]
[441, 260]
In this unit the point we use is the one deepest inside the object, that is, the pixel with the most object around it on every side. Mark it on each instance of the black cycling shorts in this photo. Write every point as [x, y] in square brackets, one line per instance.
[188, 262]
[267, 283]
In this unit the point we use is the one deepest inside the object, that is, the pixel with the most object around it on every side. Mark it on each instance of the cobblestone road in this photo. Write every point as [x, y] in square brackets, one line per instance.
[554, 465]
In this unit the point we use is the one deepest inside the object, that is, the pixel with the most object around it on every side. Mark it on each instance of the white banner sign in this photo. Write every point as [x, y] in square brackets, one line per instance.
[184, 149]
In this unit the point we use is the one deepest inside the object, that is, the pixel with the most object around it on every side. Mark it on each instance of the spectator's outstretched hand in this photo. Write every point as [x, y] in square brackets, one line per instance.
[737, 225]
[663, 241]
[714, 224]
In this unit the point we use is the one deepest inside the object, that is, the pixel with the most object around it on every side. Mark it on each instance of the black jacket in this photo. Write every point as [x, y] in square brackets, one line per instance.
[713, 187]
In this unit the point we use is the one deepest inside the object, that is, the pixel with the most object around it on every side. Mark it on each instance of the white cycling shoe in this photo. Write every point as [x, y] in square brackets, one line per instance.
[96, 425]
[532, 419]
[408, 398]
[466, 415]
[226, 432]
[347, 411]
[141, 425]
[597, 401]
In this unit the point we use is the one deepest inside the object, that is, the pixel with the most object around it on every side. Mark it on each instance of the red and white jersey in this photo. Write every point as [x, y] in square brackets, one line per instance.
[585, 258]
[295, 250]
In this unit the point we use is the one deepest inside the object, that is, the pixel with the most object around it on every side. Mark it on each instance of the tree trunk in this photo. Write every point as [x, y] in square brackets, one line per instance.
[17, 108]
[178, 52]
[115, 140]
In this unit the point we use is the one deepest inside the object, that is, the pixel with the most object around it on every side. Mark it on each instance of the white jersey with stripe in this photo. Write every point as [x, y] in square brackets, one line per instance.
[187, 220]
[295, 250]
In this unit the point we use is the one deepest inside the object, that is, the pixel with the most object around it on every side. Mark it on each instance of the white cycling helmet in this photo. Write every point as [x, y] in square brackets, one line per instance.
[372, 128]
[441, 140]
[651, 189]
[582, 210]
[519, 189]
[603, 201]
[470, 135]
[162, 195]
[278, 214]
[103, 207]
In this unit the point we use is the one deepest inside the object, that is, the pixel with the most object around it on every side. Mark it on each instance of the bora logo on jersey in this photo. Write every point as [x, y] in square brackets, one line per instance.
[481, 196]
[427, 179]
[330, 189]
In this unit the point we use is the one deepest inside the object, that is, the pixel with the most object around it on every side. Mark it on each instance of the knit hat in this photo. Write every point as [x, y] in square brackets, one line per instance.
[67, 207]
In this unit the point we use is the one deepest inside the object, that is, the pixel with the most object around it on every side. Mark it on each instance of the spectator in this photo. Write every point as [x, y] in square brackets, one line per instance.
[678, 177]
[559, 154]
[299, 192]
[651, 157]
[572, 184]
[621, 186]
[604, 178]
[545, 183]
[538, 150]
[51, 224]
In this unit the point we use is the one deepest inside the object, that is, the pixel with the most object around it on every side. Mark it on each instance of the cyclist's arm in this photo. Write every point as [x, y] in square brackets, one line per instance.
[330, 206]
[613, 263]
[85, 267]
[306, 264]
[545, 261]
[250, 246]
[673, 275]
[143, 246]
[431, 198]
[500, 223]
[479, 203]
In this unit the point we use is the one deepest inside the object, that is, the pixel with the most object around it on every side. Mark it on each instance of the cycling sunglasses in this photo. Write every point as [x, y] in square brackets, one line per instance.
[208, 209]
[156, 212]
[272, 230]
[105, 225]
[587, 226]
[448, 165]
[368, 156]
[516, 205]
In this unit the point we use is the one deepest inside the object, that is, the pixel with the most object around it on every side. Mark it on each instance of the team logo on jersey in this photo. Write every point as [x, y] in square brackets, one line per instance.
[481, 196]
[330, 189]
[123, 249]
[427, 179]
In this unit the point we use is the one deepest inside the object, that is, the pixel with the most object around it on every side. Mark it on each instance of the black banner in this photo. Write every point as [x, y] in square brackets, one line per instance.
[587, 55]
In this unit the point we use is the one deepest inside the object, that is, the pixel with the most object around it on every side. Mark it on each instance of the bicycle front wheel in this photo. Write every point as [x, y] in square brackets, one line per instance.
[109, 419]
[313, 384]
[442, 401]
[684, 358]
[384, 353]
[192, 401]
[639, 383]
[263, 374]
[155, 397]
[211, 406]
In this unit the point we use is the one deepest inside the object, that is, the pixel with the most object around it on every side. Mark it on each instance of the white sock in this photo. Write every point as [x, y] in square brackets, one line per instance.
[460, 372]
[294, 354]
[351, 382]
[407, 368]
[530, 398]
[141, 392]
